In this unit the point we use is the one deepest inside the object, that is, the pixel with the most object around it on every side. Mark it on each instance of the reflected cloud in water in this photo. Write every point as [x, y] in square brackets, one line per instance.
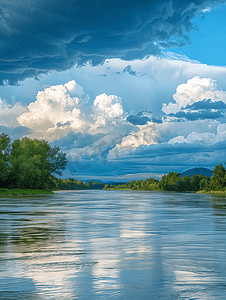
[114, 245]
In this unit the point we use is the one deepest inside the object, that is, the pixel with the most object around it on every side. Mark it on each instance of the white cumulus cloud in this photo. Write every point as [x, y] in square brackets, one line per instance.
[195, 90]
[109, 105]
[205, 138]
[145, 135]
[55, 111]
[61, 109]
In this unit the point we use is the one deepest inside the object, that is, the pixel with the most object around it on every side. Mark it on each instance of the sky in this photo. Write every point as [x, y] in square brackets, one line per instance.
[127, 89]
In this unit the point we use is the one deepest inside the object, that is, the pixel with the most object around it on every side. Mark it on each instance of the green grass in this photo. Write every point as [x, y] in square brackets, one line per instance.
[21, 192]
[223, 193]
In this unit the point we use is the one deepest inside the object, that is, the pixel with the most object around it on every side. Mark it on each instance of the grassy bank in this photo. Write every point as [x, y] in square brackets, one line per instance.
[117, 189]
[221, 193]
[22, 192]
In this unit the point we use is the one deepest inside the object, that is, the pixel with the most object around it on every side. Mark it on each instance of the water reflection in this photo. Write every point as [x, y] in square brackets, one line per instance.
[113, 245]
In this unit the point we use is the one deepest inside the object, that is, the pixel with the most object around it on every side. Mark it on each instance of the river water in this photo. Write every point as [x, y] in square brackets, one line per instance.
[113, 245]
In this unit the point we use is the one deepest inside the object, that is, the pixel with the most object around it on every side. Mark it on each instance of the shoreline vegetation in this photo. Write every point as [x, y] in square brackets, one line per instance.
[218, 193]
[23, 192]
[215, 184]
[30, 166]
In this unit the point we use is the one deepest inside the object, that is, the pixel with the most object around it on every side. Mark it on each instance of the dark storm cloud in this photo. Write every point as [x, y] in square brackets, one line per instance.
[203, 114]
[171, 157]
[38, 36]
[202, 110]
[129, 70]
[207, 104]
[162, 158]
[142, 118]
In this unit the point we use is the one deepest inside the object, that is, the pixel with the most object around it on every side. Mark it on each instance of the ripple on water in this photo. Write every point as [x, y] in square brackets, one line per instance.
[113, 245]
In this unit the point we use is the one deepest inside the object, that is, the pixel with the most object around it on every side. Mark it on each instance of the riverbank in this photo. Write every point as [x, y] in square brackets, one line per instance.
[117, 189]
[220, 193]
[23, 192]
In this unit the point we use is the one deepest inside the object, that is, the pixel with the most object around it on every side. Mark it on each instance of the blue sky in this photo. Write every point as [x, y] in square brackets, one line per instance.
[128, 89]
[209, 35]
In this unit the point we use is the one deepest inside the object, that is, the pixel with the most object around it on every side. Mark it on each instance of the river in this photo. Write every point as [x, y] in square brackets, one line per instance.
[113, 245]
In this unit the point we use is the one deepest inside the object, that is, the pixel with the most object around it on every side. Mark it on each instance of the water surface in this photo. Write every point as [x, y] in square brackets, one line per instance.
[113, 245]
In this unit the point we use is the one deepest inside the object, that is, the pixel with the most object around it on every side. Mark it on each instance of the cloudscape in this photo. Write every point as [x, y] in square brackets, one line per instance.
[127, 89]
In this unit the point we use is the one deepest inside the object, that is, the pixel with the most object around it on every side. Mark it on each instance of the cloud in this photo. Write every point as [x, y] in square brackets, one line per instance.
[9, 113]
[199, 98]
[152, 160]
[98, 135]
[130, 71]
[167, 156]
[202, 138]
[198, 115]
[142, 118]
[103, 129]
[37, 38]
[144, 136]
[56, 111]
[170, 130]
[62, 113]
[15, 132]
[77, 140]
[207, 105]
[88, 132]
[195, 90]
[109, 105]
[148, 93]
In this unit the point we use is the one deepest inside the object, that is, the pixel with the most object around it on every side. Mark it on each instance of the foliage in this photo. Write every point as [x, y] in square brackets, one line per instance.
[29, 163]
[173, 182]
[5, 143]
[72, 184]
[181, 186]
[168, 181]
[28, 192]
[218, 180]
[32, 163]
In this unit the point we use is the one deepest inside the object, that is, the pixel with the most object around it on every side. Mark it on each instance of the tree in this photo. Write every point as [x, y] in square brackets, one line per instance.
[33, 162]
[168, 181]
[181, 186]
[218, 180]
[57, 160]
[203, 183]
[5, 144]
[187, 180]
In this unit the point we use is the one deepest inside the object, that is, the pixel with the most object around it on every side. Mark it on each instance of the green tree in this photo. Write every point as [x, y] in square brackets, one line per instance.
[57, 160]
[187, 180]
[181, 186]
[218, 180]
[168, 181]
[151, 184]
[203, 183]
[33, 163]
[5, 144]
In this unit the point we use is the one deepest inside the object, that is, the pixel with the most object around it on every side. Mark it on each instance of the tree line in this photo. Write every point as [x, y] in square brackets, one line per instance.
[29, 163]
[72, 184]
[173, 182]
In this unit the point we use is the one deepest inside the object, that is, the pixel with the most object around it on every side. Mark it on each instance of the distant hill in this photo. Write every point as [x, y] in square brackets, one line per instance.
[93, 180]
[197, 171]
